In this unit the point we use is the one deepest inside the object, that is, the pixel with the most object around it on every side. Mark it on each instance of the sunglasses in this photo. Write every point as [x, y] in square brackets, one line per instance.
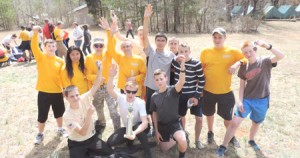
[132, 92]
[98, 45]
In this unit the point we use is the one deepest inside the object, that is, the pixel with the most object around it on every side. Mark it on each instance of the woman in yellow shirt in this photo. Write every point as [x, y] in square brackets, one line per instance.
[74, 70]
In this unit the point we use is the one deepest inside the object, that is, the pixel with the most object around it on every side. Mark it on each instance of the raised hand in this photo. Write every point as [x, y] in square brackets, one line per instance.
[113, 17]
[113, 70]
[261, 44]
[104, 23]
[148, 10]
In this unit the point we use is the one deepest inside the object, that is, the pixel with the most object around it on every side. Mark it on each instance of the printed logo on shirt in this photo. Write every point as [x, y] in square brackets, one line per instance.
[226, 56]
[134, 64]
[252, 73]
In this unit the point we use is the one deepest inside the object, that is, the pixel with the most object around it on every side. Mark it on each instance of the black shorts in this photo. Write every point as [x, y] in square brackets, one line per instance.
[25, 45]
[225, 103]
[194, 110]
[45, 100]
[149, 93]
[167, 130]
[5, 46]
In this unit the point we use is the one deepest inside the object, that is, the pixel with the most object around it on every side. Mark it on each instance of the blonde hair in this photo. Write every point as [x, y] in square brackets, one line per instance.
[131, 84]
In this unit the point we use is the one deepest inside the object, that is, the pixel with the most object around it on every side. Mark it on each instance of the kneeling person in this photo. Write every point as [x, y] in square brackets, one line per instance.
[164, 105]
[128, 102]
[83, 141]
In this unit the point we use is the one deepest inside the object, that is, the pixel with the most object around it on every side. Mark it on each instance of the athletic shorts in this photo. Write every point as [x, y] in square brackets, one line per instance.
[149, 93]
[194, 110]
[167, 130]
[225, 103]
[25, 45]
[45, 100]
[257, 108]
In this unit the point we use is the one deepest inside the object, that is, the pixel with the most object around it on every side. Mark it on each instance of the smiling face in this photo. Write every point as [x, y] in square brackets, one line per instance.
[160, 43]
[73, 97]
[218, 40]
[174, 44]
[249, 52]
[126, 47]
[75, 56]
[50, 47]
[160, 80]
[185, 51]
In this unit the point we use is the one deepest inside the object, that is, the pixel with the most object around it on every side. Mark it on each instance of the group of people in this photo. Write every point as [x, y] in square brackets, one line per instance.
[156, 89]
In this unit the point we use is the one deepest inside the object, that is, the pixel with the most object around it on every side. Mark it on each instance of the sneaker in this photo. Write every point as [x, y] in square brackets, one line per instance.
[210, 137]
[253, 145]
[38, 139]
[221, 151]
[234, 142]
[199, 145]
[62, 132]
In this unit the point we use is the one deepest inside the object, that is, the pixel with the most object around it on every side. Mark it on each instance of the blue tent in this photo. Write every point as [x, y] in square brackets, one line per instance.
[297, 11]
[287, 11]
[271, 12]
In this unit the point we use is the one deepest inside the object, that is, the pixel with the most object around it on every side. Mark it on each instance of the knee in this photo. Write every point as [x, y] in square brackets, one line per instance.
[199, 120]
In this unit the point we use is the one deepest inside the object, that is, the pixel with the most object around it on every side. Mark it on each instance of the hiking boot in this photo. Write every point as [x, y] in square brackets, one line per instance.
[253, 145]
[210, 137]
[234, 142]
[221, 151]
[62, 132]
[38, 139]
[199, 145]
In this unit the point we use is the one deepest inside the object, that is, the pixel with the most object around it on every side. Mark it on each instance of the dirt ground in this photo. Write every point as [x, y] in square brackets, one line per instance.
[278, 136]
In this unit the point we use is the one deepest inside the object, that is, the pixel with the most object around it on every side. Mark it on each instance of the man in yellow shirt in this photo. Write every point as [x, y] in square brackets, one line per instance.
[219, 63]
[25, 44]
[101, 94]
[49, 83]
[59, 37]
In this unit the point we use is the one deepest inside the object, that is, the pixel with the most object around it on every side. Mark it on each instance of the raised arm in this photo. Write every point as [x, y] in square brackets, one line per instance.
[35, 43]
[147, 15]
[110, 84]
[181, 81]
[98, 81]
[278, 55]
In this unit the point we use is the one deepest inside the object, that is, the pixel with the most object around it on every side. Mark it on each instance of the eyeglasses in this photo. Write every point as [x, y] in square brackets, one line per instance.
[127, 46]
[98, 45]
[132, 92]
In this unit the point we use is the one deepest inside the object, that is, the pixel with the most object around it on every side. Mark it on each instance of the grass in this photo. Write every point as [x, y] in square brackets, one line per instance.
[278, 136]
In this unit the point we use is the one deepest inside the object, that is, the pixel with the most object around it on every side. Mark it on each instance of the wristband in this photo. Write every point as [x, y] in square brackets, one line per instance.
[183, 71]
[269, 47]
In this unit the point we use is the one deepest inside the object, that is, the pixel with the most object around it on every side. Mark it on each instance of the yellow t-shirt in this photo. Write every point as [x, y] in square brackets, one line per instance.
[24, 35]
[216, 62]
[74, 118]
[49, 69]
[57, 32]
[127, 65]
[78, 79]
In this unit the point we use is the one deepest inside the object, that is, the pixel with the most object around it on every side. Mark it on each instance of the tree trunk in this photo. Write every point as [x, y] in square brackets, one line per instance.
[166, 24]
[176, 15]
[228, 10]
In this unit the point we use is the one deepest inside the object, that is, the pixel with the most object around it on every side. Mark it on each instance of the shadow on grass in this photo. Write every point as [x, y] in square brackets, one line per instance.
[44, 150]
[260, 154]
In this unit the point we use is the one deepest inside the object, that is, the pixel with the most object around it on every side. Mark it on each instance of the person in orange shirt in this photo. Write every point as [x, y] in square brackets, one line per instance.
[25, 44]
[74, 72]
[219, 63]
[49, 84]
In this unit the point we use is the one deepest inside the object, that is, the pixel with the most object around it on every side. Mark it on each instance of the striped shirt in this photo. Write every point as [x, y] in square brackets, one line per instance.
[194, 77]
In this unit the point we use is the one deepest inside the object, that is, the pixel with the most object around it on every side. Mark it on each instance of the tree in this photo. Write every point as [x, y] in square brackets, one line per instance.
[95, 8]
[7, 14]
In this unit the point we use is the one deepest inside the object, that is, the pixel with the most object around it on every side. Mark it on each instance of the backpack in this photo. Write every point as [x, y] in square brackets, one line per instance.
[2, 54]
[53, 36]
[51, 30]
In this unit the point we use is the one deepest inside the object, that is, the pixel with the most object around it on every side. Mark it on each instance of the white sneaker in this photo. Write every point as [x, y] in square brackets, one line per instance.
[38, 139]
[62, 132]
[199, 145]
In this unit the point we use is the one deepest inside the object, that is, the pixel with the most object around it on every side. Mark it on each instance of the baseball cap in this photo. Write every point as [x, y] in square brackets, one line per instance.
[98, 40]
[220, 31]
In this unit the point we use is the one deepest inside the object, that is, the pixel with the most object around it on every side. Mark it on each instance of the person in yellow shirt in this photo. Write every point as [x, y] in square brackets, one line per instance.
[101, 94]
[132, 67]
[59, 37]
[25, 44]
[49, 84]
[219, 63]
[74, 72]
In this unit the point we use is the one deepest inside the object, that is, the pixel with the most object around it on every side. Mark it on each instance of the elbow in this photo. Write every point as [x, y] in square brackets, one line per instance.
[83, 133]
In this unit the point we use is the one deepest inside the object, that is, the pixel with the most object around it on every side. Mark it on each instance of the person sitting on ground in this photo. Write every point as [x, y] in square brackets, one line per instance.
[139, 116]
[254, 91]
[7, 40]
[83, 141]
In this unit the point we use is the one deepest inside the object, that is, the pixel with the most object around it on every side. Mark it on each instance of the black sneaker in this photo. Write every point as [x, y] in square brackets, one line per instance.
[234, 142]
[210, 137]
[253, 145]
[221, 151]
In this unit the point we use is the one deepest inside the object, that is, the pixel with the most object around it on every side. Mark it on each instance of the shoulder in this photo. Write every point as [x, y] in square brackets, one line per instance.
[233, 50]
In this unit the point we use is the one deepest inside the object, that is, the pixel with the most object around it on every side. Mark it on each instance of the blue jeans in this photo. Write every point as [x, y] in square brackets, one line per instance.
[78, 43]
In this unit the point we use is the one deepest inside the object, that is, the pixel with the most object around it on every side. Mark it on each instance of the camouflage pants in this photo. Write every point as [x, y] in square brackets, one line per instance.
[98, 102]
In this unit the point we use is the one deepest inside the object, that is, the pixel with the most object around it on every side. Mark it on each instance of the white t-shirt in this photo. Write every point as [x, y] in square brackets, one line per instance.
[7, 39]
[77, 32]
[139, 108]
[75, 118]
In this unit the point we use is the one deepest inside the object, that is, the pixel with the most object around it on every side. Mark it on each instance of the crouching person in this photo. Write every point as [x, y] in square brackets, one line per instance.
[83, 141]
[133, 114]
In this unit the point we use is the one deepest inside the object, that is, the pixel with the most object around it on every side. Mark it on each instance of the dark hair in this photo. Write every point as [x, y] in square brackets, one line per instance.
[159, 72]
[161, 34]
[14, 35]
[23, 27]
[85, 27]
[69, 89]
[69, 66]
